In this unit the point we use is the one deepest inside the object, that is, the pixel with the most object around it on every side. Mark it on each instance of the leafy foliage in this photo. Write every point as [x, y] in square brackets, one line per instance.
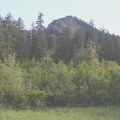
[38, 69]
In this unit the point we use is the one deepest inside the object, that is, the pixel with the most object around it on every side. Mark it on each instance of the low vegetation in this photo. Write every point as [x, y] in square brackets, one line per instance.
[99, 113]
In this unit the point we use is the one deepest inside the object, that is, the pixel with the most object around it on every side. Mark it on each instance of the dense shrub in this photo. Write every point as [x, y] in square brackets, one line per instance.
[37, 84]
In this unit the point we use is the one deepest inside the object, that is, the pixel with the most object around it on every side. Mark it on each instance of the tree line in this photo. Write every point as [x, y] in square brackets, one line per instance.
[38, 69]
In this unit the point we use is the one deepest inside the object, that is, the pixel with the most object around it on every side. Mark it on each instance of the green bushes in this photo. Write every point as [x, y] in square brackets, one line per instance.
[35, 98]
[35, 84]
[11, 81]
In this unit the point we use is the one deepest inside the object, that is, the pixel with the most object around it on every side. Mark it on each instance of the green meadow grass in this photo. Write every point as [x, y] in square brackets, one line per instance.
[90, 113]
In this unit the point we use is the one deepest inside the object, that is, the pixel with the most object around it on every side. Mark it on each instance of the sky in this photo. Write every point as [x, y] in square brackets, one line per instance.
[104, 13]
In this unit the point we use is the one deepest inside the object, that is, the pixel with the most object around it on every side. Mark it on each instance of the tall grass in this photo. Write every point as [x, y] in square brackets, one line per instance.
[91, 113]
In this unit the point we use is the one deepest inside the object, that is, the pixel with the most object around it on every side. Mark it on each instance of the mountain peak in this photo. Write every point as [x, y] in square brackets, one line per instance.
[73, 23]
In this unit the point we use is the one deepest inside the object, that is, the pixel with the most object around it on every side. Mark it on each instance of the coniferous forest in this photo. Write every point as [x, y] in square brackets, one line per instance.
[39, 69]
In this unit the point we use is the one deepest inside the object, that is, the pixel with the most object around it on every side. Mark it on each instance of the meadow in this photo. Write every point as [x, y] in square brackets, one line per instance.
[89, 113]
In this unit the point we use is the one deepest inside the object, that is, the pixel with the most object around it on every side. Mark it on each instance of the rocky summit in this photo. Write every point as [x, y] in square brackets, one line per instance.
[70, 22]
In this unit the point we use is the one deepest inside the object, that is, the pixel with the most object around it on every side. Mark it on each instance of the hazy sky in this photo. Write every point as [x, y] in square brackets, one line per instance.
[103, 12]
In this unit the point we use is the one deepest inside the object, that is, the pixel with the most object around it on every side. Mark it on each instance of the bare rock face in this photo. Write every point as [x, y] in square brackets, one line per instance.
[72, 23]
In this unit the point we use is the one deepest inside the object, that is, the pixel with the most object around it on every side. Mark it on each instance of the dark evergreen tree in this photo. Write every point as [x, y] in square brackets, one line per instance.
[90, 33]
[38, 39]
[39, 22]
[20, 24]
[8, 29]
[22, 45]
[65, 46]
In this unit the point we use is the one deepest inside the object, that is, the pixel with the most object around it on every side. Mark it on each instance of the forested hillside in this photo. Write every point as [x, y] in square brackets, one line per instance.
[66, 37]
[70, 63]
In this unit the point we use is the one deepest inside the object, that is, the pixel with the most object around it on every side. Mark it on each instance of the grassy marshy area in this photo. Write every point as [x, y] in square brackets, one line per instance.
[89, 113]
